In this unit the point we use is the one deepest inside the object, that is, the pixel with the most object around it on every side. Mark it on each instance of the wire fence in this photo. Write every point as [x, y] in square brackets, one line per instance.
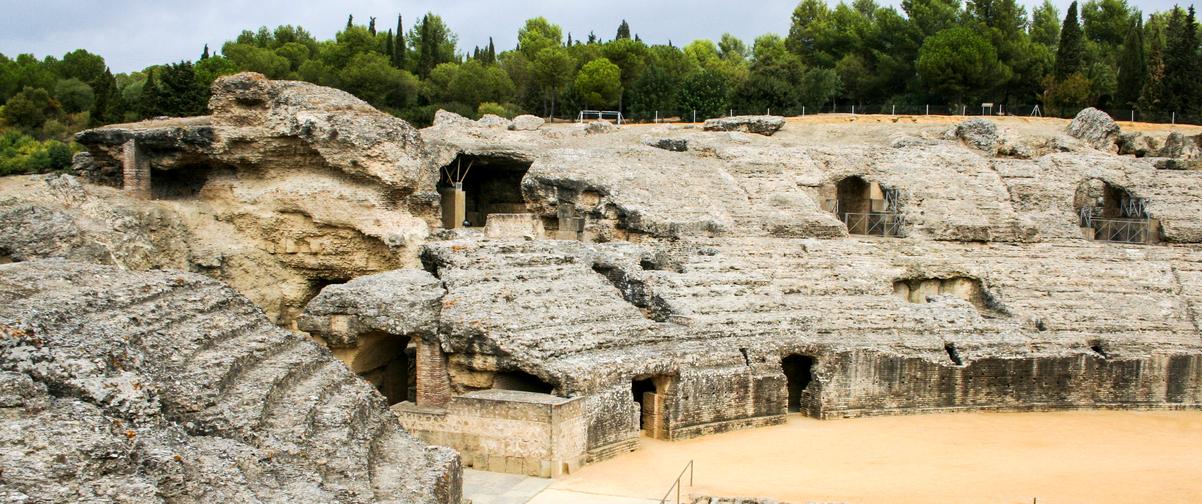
[891, 109]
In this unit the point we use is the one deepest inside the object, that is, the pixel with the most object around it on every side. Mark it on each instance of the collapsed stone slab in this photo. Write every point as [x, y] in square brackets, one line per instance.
[761, 125]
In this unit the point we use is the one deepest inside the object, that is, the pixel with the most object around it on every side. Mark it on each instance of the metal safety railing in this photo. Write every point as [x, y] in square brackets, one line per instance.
[1122, 230]
[875, 223]
[677, 484]
[599, 114]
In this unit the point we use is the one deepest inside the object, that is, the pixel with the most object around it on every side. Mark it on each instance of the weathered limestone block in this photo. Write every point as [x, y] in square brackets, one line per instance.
[526, 122]
[402, 302]
[1095, 127]
[522, 225]
[600, 127]
[1179, 146]
[761, 125]
[978, 133]
[494, 121]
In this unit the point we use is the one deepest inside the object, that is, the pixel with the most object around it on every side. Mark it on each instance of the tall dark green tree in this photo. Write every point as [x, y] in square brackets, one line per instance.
[1133, 66]
[623, 31]
[1070, 54]
[107, 100]
[1182, 70]
[181, 95]
[350, 21]
[371, 26]
[398, 45]
[433, 44]
[205, 55]
[1151, 98]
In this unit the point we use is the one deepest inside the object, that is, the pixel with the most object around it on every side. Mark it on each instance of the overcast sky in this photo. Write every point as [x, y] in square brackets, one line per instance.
[133, 34]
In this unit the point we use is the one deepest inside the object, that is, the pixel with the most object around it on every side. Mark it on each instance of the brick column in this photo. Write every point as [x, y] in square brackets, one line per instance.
[433, 381]
[135, 171]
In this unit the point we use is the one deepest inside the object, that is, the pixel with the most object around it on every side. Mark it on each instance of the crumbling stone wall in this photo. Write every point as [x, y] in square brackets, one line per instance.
[872, 383]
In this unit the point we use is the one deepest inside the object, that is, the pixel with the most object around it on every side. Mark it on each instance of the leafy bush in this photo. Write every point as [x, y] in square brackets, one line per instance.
[23, 154]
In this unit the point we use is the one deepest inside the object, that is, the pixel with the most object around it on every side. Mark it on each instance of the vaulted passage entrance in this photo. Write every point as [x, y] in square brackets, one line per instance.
[650, 393]
[798, 374]
[472, 187]
[389, 363]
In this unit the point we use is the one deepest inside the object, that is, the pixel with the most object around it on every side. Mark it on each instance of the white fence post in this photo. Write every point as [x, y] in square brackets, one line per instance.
[894, 110]
[928, 110]
[694, 116]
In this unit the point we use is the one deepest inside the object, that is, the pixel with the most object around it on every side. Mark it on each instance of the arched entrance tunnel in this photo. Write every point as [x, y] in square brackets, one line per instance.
[389, 363]
[472, 187]
[798, 376]
[648, 393]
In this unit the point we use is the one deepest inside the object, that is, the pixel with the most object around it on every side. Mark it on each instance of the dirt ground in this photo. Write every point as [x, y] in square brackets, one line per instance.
[1094, 457]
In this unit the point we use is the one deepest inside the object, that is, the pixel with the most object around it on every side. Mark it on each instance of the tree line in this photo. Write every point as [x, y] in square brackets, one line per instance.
[1103, 53]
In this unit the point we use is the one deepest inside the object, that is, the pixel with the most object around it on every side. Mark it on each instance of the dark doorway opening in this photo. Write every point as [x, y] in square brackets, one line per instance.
[389, 363]
[640, 390]
[490, 185]
[180, 183]
[520, 381]
[6, 256]
[798, 375]
[852, 195]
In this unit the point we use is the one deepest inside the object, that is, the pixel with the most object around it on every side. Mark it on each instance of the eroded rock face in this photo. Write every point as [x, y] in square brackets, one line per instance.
[401, 302]
[526, 122]
[310, 183]
[145, 387]
[978, 133]
[1095, 127]
[761, 125]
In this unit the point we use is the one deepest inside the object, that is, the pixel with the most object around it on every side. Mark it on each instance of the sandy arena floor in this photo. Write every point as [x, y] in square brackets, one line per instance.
[1062, 457]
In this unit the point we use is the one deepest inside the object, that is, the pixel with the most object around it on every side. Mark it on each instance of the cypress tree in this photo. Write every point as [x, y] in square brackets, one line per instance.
[492, 51]
[205, 55]
[371, 26]
[1070, 54]
[350, 21]
[623, 30]
[390, 47]
[107, 100]
[399, 50]
[149, 105]
[569, 44]
[1133, 65]
[1151, 99]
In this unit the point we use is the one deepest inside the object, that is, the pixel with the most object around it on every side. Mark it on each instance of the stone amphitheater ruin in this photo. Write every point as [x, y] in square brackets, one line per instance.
[300, 298]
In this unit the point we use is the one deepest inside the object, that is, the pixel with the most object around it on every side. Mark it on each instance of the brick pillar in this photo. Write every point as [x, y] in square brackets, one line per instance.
[135, 171]
[454, 207]
[433, 381]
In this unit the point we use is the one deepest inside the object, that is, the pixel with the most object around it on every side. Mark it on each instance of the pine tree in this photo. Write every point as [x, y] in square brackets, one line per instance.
[592, 38]
[371, 27]
[1133, 66]
[205, 55]
[623, 30]
[1070, 54]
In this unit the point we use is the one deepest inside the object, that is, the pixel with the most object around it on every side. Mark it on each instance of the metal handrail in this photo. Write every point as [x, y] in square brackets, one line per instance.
[875, 223]
[1121, 230]
[676, 485]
